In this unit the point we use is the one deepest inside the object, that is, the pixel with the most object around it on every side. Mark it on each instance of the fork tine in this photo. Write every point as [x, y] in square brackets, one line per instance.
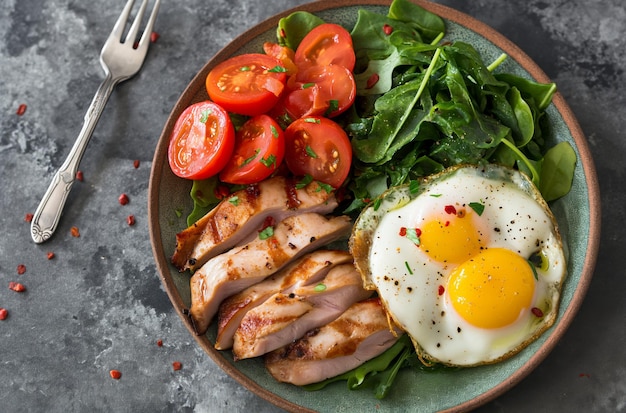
[134, 28]
[120, 24]
[145, 37]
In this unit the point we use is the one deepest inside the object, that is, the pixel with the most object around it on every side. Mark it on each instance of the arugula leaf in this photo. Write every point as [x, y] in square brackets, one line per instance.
[203, 196]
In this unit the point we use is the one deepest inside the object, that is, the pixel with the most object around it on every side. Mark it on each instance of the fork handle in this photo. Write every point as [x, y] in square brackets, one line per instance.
[48, 213]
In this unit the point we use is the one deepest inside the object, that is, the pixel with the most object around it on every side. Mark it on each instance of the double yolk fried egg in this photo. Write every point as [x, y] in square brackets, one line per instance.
[470, 264]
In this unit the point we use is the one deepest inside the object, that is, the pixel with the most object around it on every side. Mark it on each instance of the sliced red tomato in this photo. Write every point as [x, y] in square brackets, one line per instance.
[248, 84]
[284, 54]
[321, 91]
[201, 142]
[326, 44]
[318, 147]
[259, 151]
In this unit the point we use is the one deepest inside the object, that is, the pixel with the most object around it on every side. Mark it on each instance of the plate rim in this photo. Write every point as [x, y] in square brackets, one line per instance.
[453, 15]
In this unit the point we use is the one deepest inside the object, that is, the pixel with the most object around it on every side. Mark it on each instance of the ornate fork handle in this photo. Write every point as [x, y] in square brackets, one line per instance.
[48, 213]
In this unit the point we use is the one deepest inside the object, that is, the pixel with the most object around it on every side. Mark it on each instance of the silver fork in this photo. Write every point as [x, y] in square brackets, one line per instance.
[120, 59]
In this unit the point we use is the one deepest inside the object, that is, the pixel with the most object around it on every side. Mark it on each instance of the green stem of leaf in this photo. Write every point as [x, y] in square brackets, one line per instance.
[497, 62]
[523, 158]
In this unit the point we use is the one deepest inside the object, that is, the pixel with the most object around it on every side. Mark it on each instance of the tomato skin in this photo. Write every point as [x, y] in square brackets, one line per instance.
[201, 142]
[326, 44]
[246, 84]
[319, 147]
[316, 87]
[259, 151]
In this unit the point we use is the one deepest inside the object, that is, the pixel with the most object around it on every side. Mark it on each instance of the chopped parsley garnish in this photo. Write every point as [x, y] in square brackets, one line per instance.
[311, 152]
[477, 207]
[266, 233]
[269, 161]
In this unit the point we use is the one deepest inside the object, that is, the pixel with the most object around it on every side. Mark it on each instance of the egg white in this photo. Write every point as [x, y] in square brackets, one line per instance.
[515, 217]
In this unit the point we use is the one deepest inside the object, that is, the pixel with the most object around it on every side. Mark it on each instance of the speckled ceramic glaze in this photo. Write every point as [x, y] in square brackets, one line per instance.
[578, 215]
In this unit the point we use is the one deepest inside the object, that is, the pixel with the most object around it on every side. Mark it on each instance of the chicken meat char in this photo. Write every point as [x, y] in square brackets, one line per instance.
[310, 268]
[286, 317]
[361, 333]
[232, 271]
[236, 219]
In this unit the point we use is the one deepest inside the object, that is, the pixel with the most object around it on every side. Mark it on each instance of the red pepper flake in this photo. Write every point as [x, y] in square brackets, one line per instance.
[450, 209]
[136, 163]
[282, 33]
[221, 191]
[130, 220]
[115, 374]
[387, 29]
[17, 287]
[447, 224]
[177, 365]
[123, 199]
[28, 217]
[537, 312]
[3, 313]
[75, 232]
[441, 290]
[79, 176]
[372, 80]
[21, 269]
[21, 109]
[160, 343]
[584, 375]
[50, 255]
[154, 36]
[402, 232]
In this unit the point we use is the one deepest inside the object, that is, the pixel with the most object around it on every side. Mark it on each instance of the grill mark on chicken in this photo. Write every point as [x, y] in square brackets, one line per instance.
[241, 267]
[359, 334]
[230, 224]
[308, 270]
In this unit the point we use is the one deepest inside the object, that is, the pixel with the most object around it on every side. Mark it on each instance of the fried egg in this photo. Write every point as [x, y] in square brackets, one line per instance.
[470, 263]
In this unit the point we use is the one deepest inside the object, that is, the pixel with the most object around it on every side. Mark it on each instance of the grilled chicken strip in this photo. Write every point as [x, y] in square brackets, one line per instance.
[358, 335]
[286, 317]
[236, 219]
[243, 266]
[309, 269]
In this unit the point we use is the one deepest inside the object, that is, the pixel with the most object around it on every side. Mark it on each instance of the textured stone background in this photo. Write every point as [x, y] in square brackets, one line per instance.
[99, 304]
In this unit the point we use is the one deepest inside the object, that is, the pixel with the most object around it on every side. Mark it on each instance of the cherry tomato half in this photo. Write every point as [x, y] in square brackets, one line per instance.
[201, 142]
[259, 150]
[321, 91]
[326, 44]
[318, 147]
[248, 84]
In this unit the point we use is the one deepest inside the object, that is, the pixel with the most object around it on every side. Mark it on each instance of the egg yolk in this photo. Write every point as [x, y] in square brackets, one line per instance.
[453, 239]
[492, 289]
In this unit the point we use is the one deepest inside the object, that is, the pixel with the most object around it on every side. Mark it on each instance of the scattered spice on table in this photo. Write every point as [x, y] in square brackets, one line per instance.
[154, 36]
[75, 232]
[17, 287]
[80, 176]
[50, 255]
[123, 199]
[136, 163]
[28, 217]
[130, 220]
[177, 365]
[4, 313]
[160, 343]
[115, 374]
[21, 269]
[21, 109]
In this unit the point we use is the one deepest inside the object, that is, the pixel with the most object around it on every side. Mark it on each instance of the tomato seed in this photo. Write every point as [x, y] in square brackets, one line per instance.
[177, 365]
[123, 199]
[115, 374]
[17, 287]
[3, 313]
[21, 269]
[130, 220]
[154, 36]
[21, 109]
[75, 232]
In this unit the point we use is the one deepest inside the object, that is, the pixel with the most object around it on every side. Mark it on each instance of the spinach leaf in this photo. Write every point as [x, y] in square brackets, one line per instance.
[557, 171]
[203, 195]
[292, 28]
[428, 24]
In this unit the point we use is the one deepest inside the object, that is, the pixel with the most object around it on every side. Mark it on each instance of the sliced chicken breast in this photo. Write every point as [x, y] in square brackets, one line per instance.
[306, 270]
[243, 266]
[359, 334]
[238, 217]
[285, 317]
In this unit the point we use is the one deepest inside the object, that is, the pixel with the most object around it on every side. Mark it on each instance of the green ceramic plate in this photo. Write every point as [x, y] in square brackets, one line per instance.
[577, 214]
